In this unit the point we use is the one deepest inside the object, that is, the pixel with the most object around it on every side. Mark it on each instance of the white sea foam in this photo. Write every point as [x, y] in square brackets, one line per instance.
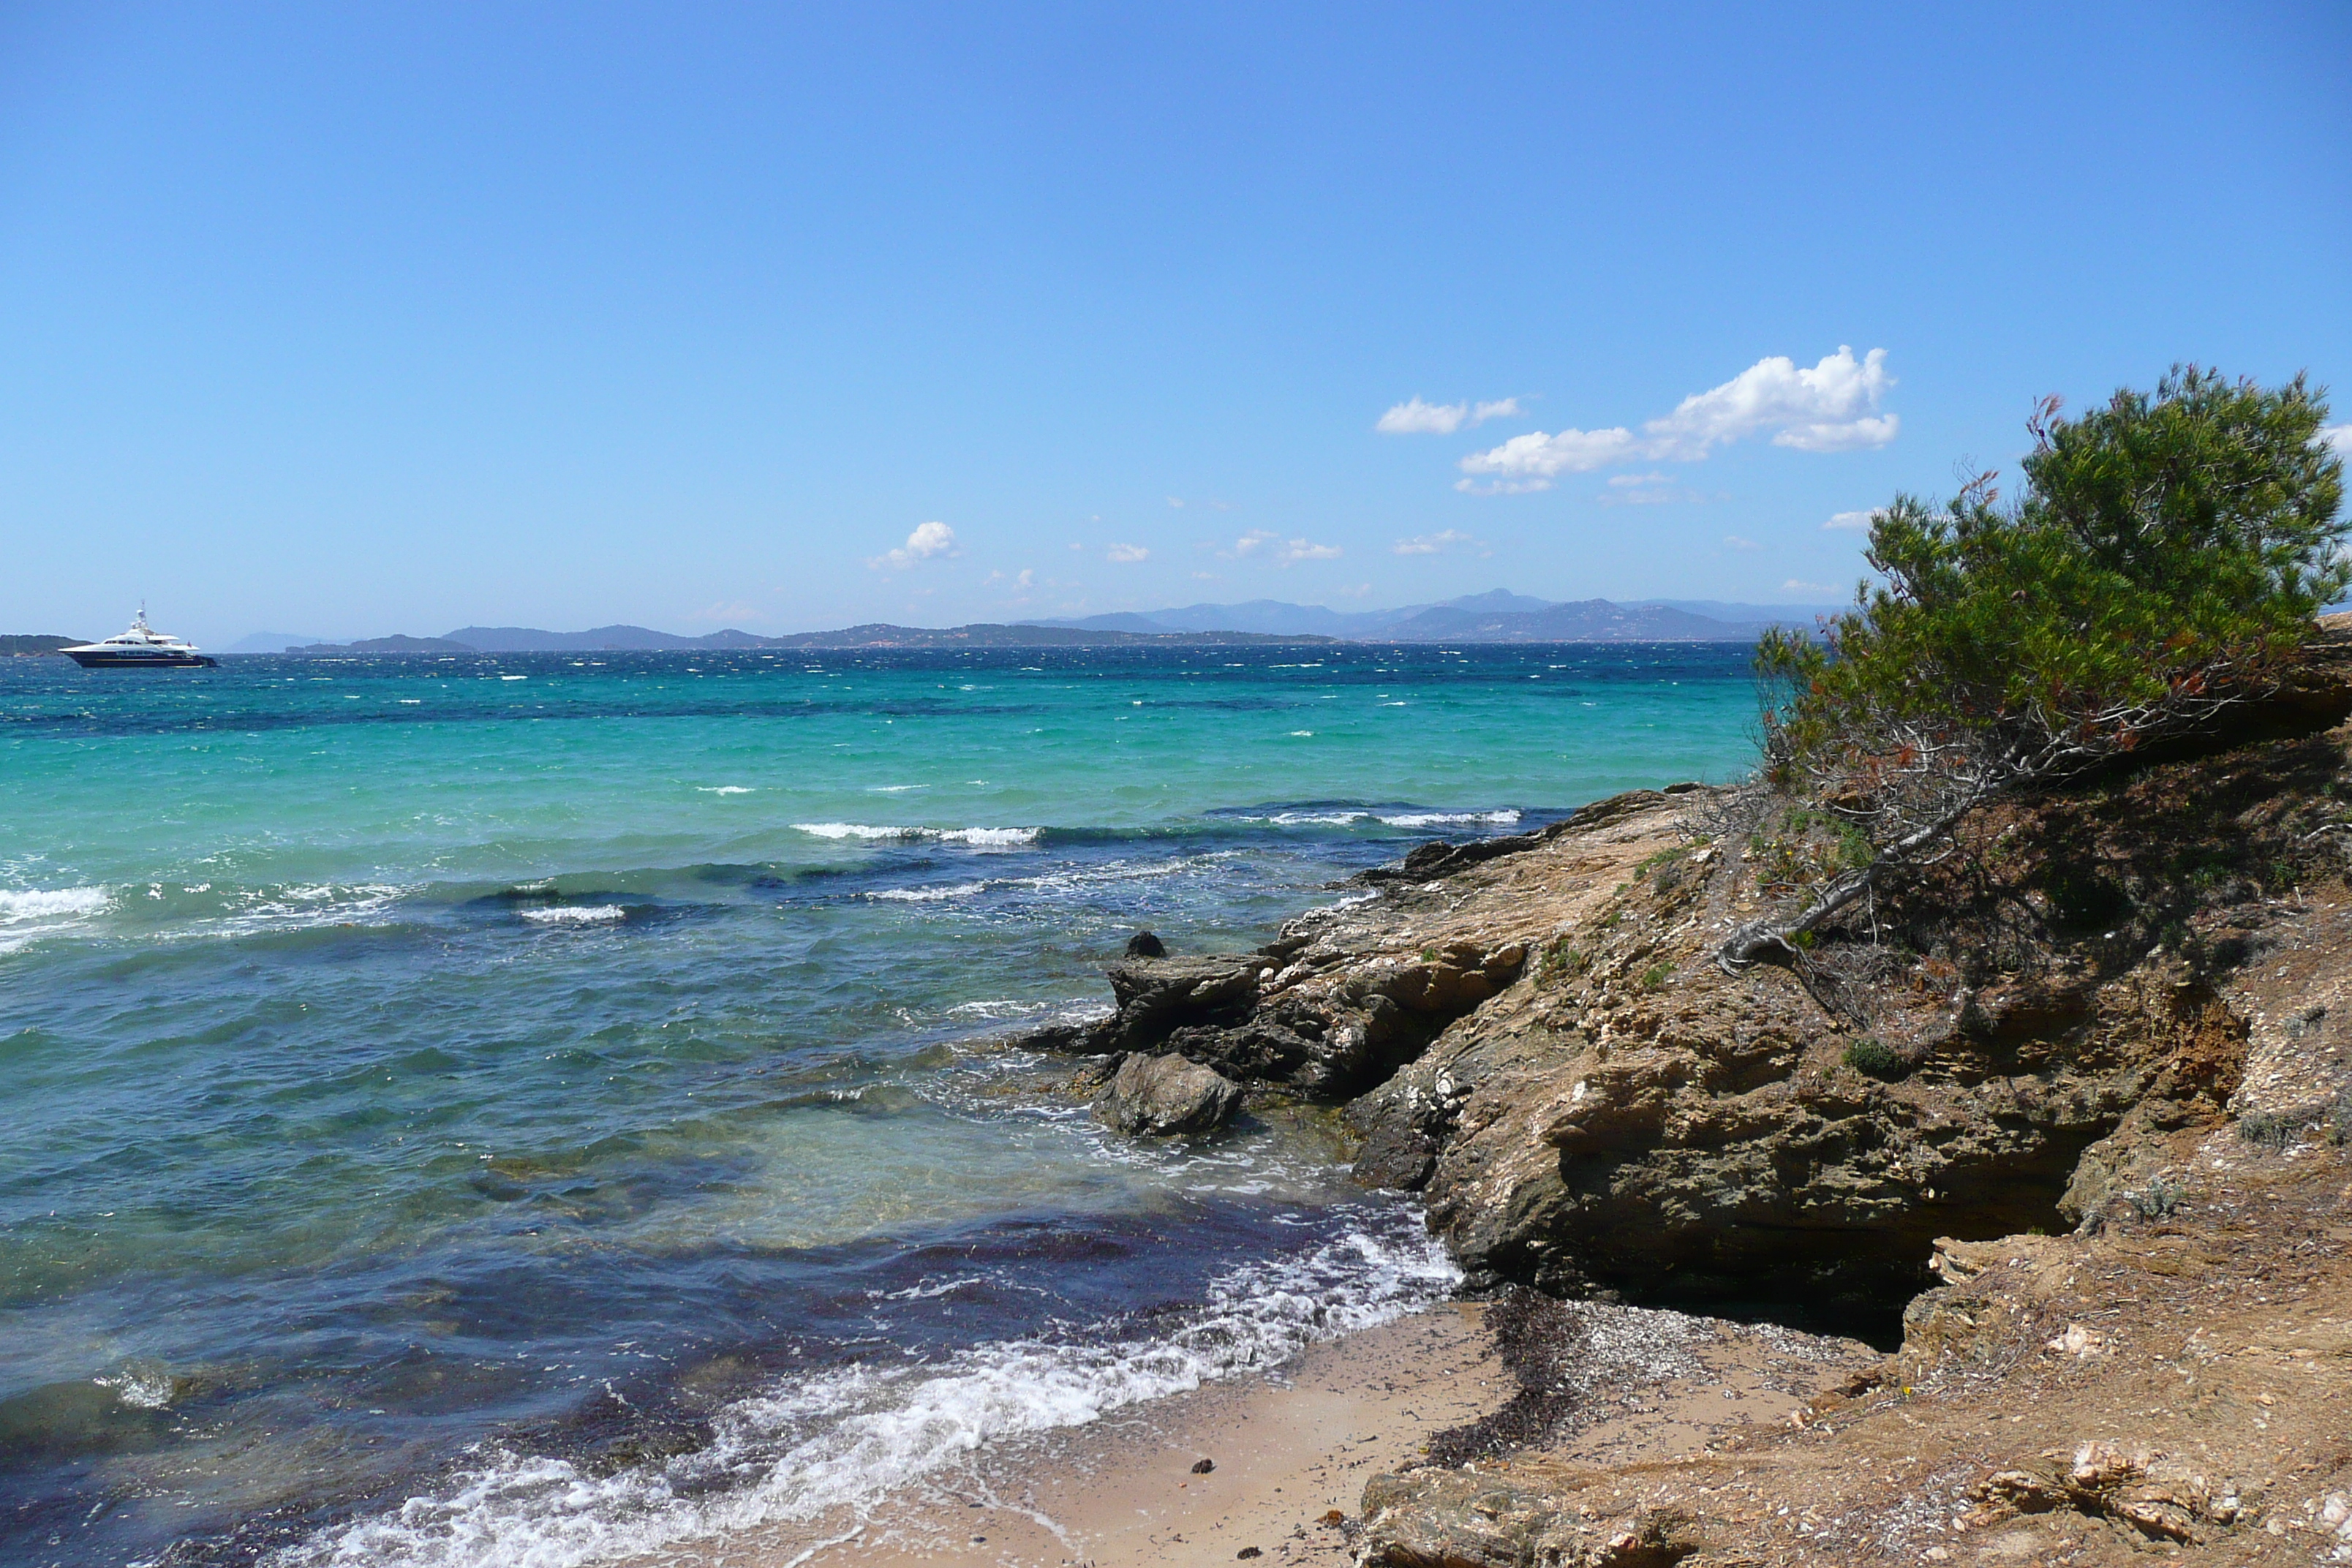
[928, 1290]
[1452, 818]
[722, 789]
[577, 915]
[843, 1437]
[1348, 816]
[989, 837]
[320, 904]
[928, 895]
[142, 1386]
[978, 837]
[32, 913]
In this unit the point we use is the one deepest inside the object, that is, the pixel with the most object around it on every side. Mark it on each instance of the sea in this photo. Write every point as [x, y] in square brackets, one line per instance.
[469, 1110]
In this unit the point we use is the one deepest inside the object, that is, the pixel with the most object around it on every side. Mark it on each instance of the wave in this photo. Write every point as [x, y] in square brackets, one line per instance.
[577, 915]
[978, 837]
[928, 895]
[1503, 819]
[843, 1437]
[1388, 817]
[30, 914]
[1071, 880]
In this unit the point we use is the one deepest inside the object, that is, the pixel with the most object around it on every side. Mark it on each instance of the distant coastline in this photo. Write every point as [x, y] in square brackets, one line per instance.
[21, 646]
[1498, 617]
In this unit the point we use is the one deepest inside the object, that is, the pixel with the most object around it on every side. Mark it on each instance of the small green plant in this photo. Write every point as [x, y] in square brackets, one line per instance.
[1874, 1058]
[2160, 1199]
[1559, 958]
[1656, 975]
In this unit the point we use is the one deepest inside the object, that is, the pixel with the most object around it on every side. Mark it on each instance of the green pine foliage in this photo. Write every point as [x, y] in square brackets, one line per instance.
[2165, 560]
[2166, 547]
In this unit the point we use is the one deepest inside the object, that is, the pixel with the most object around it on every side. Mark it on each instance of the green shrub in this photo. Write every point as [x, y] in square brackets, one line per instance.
[1874, 1058]
[2166, 558]
[1656, 975]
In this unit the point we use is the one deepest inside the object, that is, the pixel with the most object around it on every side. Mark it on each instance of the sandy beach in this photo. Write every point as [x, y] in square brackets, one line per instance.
[1289, 1451]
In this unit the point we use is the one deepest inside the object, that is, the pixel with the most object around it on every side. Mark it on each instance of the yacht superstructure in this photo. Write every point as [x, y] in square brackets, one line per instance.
[141, 647]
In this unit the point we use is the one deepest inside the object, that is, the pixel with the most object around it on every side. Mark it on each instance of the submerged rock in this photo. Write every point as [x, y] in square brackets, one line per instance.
[1149, 1096]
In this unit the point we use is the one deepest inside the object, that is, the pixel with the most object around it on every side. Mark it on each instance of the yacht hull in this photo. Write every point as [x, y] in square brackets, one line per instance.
[142, 661]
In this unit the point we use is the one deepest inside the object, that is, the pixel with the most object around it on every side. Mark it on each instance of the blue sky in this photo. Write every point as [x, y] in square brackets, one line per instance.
[353, 319]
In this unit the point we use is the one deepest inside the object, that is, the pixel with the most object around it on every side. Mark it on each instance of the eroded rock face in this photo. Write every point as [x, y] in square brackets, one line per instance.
[1538, 1039]
[1628, 1117]
[1152, 1096]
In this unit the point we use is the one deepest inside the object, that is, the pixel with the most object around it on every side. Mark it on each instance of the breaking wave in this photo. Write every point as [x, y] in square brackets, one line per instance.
[30, 915]
[978, 837]
[845, 1436]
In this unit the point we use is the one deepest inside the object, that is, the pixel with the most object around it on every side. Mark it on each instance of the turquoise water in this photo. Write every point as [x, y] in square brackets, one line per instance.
[457, 1107]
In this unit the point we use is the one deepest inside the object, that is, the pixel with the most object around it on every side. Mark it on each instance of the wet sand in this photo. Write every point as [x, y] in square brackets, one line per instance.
[1291, 1452]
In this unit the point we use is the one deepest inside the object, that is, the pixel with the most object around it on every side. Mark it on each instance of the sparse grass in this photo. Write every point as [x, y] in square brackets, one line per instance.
[2279, 1130]
[1655, 977]
[1560, 958]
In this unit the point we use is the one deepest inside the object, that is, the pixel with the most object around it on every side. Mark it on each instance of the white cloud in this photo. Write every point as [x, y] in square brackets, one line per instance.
[1842, 520]
[928, 539]
[725, 610]
[1028, 578]
[1736, 542]
[1415, 418]
[1126, 554]
[1832, 408]
[2340, 438]
[1530, 462]
[1176, 502]
[1206, 577]
[1794, 586]
[1441, 542]
[1358, 591]
[1649, 479]
[1261, 545]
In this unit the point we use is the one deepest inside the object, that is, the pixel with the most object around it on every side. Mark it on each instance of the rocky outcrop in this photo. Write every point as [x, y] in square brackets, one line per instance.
[2173, 1382]
[1152, 1096]
[1321, 1010]
[1531, 1033]
[2124, 1019]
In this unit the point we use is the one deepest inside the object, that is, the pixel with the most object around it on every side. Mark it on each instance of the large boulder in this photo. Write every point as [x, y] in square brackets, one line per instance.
[1153, 1095]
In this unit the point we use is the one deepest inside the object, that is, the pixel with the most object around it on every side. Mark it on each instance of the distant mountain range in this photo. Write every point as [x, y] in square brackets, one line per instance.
[1498, 617]
[626, 639]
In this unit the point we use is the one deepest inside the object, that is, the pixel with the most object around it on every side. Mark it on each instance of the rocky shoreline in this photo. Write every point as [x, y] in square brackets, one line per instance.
[2061, 1130]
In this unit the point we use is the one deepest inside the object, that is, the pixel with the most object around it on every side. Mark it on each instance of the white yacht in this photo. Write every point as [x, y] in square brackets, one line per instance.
[141, 647]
